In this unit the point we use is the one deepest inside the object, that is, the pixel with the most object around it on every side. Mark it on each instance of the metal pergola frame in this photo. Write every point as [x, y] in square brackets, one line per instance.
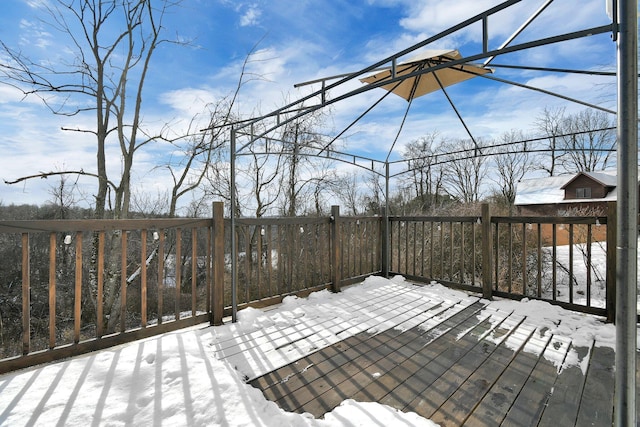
[623, 30]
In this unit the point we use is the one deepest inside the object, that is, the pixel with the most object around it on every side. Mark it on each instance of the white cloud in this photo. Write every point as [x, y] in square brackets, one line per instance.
[36, 4]
[189, 101]
[428, 18]
[251, 16]
[11, 95]
[34, 34]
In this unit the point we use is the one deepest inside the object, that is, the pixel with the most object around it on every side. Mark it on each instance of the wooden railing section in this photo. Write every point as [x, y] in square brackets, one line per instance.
[512, 257]
[91, 284]
[446, 249]
[527, 261]
[69, 287]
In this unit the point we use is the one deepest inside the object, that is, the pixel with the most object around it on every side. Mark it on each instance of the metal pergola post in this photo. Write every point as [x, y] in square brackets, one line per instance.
[386, 220]
[627, 232]
[234, 272]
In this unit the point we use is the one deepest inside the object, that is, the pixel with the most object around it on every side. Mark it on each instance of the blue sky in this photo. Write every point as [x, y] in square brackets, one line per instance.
[299, 41]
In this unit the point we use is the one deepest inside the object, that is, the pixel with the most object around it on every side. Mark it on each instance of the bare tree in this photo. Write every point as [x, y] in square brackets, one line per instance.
[374, 197]
[205, 152]
[112, 43]
[322, 188]
[149, 204]
[199, 149]
[302, 171]
[422, 174]
[588, 141]
[279, 173]
[349, 193]
[218, 177]
[550, 123]
[264, 171]
[464, 172]
[63, 196]
[581, 142]
[511, 165]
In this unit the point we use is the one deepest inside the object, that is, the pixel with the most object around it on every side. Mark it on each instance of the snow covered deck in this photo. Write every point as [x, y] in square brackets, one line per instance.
[416, 352]
[447, 356]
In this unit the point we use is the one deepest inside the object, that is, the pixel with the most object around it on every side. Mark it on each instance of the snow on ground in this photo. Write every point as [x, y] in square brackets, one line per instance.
[196, 377]
[598, 274]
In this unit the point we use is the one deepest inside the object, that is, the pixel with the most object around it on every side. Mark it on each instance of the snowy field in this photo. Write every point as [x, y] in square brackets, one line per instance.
[196, 377]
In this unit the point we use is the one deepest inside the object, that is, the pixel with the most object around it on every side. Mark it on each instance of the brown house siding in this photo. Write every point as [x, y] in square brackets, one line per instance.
[598, 191]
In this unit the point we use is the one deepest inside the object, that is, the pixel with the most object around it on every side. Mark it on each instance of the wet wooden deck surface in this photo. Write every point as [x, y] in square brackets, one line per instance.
[456, 363]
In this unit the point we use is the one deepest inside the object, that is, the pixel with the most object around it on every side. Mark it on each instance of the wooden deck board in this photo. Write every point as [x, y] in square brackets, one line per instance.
[562, 406]
[530, 403]
[281, 339]
[495, 404]
[412, 359]
[331, 374]
[596, 407]
[485, 367]
[440, 377]
[320, 394]
[457, 365]
[358, 385]
[394, 380]
[317, 364]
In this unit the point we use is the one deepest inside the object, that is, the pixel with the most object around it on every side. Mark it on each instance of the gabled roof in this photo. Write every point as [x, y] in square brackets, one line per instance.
[607, 179]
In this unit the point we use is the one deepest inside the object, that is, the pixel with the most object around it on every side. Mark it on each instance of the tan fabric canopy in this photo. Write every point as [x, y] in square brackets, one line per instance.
[428, 82]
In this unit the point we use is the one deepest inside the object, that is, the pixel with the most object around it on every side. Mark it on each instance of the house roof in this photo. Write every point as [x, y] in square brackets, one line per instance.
[605, 178]
[541, 191]
[550, 190]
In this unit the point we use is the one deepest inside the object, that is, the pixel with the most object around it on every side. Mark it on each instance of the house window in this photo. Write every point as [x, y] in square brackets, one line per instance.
[583, 193]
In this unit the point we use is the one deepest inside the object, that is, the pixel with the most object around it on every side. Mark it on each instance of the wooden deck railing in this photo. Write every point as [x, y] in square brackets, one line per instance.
[278, 257]
[83, 285]
[286, 256]
[69, 287]
[446, 249]
[513, 257]
[528, 262]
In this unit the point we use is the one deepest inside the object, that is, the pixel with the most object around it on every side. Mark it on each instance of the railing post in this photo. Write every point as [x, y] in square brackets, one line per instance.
[612, 242]
[384, 239]
[217, 293]
[487, 252]
[26, 294]
[336, 265]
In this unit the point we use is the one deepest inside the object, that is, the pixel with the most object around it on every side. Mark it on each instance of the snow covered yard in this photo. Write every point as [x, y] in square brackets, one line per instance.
[197, 377]
[598, 274]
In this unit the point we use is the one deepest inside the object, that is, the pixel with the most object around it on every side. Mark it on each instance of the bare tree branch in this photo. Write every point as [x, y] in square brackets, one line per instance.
[45, 175]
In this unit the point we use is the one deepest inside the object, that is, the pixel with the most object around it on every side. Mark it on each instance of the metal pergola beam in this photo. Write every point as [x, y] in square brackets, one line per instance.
[519, 30]
[392, 59]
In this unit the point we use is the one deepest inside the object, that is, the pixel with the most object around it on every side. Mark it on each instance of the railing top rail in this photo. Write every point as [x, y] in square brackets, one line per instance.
[282, 221]
[435, 218]
[300, 220]
[44, 226]
[360, 218]
[549, 219]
